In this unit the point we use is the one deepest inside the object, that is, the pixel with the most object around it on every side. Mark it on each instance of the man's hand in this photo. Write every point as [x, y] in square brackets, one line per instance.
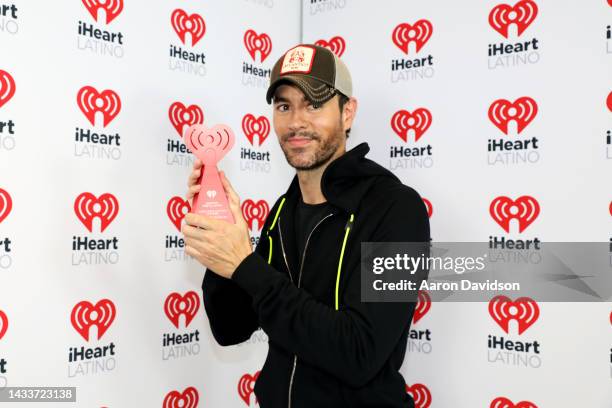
[217, 244]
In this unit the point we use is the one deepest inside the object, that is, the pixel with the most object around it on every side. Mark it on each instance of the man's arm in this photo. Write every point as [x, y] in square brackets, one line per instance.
[354, 342]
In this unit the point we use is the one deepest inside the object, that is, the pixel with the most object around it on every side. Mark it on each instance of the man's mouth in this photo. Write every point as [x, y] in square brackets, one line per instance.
[298, 141]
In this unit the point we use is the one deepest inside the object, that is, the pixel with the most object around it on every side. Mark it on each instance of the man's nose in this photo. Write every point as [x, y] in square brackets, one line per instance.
[297, 121]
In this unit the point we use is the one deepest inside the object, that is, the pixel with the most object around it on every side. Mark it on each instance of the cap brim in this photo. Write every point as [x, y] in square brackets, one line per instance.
[317, 92]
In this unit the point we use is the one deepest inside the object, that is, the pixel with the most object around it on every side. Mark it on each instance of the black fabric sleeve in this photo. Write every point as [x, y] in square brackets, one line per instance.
[229, 307]
[353, 343]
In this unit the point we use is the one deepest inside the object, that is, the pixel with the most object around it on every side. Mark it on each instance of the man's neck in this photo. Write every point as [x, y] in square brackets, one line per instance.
[310, 181]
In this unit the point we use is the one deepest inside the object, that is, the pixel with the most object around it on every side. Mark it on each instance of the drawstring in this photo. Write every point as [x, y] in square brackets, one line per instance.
[272, 227]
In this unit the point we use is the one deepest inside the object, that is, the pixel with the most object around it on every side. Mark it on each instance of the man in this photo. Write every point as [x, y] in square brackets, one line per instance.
[301, 285]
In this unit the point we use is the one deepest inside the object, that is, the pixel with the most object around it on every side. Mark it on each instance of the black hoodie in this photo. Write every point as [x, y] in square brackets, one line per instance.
[326, 347]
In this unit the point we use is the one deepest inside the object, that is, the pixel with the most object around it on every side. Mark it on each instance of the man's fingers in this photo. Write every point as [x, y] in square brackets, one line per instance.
[193, 177]
[193, 190]
[198, 220]
[229, 190]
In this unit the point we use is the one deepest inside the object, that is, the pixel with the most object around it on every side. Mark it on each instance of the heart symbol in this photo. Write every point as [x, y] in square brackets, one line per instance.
[7, 87]
[522, 14]
[524, 310]
[209, 145]
[6, 204]
[211, 193]
[420, 394]
[246, 386]
[84, 315]
[86, 210]
[502, 402]
[336, 45]
[3, 324]
[187, 399]
[175, 210]
[422, 307]
[252, 127]
[177, 305]
[111, 8]
[419, 121]
[420, 32]
[193, 24]
[180, 115]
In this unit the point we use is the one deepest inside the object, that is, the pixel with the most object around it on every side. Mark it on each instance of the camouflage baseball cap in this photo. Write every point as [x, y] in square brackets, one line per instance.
[317, 71]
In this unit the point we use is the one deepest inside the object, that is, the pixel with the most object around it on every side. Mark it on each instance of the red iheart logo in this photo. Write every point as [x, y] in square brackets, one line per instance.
[608, 101]
[192, 24]
[609, 208]
[209, 145]
[6, 204]
[420, 394]
[524, 310]
[7, 87]
[91, 101]
[336, 44]
[112, 8]
[522, 14]
[420, 32]
[3, 324]
[255, 211]
[180, 115]
[246, 386]
[252, 127]
[523, 111]
[177, 305]
[187, 399]
[428, 206]
[254, 42]
[525, 209]
[176, 210]
[419, 121]
[502, 402]
[422, 307]
[84, 315]
[87, 207]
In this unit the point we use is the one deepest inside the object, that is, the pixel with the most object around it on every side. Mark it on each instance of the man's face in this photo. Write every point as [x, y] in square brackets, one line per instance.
[308, 135]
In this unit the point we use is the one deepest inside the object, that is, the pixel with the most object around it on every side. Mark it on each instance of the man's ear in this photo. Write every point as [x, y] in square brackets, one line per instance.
[349, 110]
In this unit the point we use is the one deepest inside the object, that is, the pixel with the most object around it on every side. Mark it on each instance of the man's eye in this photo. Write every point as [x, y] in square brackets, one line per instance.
[314, 107]
[282, 107]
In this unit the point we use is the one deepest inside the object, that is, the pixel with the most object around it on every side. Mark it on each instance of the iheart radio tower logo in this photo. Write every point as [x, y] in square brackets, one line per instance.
[6, 204]
[87, 207]
[84, 315]
[255, 127]
[522, 14]
[91, 101]
[253, 211]
[608, 101]
[193, 24]
[246, 387]
[254, 42]
[187, 399]
[422, 307]
[419, 32]
[418, 121]
[524, 209]
[336, 44]
[524, 310]
[420, 394]
[523, 110]
[502, 402]
[177, 305]
[3, 324]
[112, 8]
[181, 116]
[429, 207]
[7, 87]
[176, 210]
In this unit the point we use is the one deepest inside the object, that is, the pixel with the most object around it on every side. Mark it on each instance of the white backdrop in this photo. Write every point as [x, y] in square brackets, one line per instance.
[150, 64]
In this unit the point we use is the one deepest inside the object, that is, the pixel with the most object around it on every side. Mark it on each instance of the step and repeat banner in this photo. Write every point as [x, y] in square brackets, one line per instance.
[500, 115]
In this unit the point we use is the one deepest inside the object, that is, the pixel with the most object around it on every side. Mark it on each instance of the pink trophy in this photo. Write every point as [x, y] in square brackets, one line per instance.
[210, 145]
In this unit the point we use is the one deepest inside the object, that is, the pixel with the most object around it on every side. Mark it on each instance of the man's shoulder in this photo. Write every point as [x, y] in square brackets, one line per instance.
[388, 191]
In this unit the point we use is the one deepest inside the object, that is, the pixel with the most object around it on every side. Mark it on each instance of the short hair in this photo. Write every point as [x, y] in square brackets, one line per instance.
[342, 100]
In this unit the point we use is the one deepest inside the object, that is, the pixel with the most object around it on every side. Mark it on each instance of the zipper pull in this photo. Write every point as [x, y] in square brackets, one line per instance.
[349, 222]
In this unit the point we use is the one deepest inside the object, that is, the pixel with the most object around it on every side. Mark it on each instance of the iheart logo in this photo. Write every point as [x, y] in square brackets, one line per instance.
[420, 32]
[181, 116]
[525, 209]
[3, 324]
[209, 145]
[192, 24]
[255, 211]
[422, 307]
[502, 402]
[429, 207]
[420, 394]
[87, 207]
[522, 14]
[246, 386]
[523, 110]
[177, 305]
[252, 127]
[419, 121]
[91, 101]
[608, 101]
[609, 209]
[176, 210]
[84, 315]
[254, 42]
[7, 87]
[336, 44]
[112, 8]
[211, 194]
[6, 204]
[524, 310]
[187, 399]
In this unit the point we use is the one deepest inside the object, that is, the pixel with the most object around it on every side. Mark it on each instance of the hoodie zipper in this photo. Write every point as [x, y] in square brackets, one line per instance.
[298, 285]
